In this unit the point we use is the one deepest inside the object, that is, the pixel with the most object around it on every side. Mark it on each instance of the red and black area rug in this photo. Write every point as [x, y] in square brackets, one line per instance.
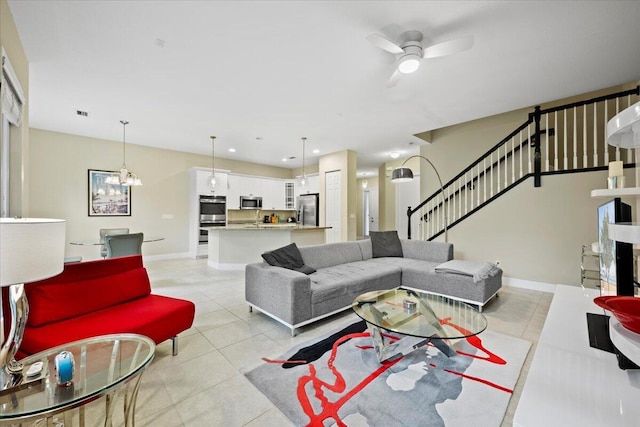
[337, 380]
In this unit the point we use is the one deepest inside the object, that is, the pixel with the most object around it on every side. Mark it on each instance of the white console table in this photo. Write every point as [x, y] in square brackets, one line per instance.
[570, 383]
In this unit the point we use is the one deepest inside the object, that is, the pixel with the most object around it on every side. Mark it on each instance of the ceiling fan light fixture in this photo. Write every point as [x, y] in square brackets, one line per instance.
[409, 63]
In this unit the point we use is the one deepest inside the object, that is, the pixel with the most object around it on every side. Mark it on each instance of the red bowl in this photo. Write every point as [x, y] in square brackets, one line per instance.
[626, 310]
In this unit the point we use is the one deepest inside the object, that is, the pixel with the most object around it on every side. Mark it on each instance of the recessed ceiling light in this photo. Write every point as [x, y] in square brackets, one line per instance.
[316, 151]
[284, 159]
[394, 155]
[232, 150]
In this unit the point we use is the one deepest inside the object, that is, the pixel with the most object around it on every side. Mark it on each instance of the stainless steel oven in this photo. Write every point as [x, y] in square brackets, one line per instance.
[213, 213]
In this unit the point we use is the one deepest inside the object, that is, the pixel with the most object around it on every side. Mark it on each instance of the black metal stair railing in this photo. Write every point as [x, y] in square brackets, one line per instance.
[564, 139]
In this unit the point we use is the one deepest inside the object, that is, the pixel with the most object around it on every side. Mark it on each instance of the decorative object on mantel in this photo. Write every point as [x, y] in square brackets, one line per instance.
[125, 177]
[403, 174]
[337, 379]
[212, 178]
[616, 175]
[31, 249]
[303, 177]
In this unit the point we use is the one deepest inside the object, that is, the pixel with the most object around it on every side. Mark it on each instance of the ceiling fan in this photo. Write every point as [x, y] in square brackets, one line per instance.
[410, 51]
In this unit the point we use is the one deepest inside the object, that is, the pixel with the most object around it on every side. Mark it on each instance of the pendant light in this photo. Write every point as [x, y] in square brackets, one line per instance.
[303, 178]
[212, 178]
[125, 177]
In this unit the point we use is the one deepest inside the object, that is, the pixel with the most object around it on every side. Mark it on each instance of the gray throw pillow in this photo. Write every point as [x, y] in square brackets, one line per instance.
[385, 244]
[288, 257]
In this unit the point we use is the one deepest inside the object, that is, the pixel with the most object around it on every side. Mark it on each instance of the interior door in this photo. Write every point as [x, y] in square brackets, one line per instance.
[373, 209]
[332, 206]
[369, 210]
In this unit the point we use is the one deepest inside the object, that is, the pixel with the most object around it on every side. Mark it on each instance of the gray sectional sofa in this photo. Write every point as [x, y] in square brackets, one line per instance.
[348, 269]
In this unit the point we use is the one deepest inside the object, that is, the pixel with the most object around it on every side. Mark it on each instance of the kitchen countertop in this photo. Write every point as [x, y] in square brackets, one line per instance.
[267, 226]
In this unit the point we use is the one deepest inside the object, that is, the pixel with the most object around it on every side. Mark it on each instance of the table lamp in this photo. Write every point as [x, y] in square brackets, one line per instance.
[31, 249]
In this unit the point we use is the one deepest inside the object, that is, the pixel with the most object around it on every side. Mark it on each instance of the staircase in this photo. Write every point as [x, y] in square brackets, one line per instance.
[567, 139]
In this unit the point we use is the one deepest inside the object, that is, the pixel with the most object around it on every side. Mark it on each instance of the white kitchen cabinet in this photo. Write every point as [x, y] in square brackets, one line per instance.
[202, 183]
[313, 186]
[243, 185]
[234, 191]
[273, 196]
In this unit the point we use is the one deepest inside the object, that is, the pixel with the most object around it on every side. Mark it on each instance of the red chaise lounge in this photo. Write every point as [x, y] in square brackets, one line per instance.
[97, 298]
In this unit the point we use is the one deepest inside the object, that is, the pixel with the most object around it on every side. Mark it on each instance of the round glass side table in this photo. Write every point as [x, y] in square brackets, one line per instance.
[104, 366]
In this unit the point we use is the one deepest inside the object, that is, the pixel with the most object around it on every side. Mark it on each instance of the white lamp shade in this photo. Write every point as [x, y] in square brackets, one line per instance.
[31, 249]
[616, 168]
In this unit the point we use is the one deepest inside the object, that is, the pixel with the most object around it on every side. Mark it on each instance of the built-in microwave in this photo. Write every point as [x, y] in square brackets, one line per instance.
[250, 202]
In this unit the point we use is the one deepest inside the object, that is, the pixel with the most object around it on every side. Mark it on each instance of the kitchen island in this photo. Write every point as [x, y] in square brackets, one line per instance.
[234, 246]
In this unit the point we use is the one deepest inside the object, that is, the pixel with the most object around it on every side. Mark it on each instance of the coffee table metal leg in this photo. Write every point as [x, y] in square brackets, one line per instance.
[130, 404]
[441, 345]
[386, 350]
[108, 412]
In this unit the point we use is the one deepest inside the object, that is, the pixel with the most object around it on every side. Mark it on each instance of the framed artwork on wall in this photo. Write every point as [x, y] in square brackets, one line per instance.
[106, 199]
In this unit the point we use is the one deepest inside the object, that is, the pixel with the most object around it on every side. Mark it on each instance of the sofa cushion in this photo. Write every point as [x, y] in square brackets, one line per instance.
[385, 244]
[330, 254]
[288, 257]
[155, 316]
[336, 287]
[423, 276]
[427, 251]
[76, 291]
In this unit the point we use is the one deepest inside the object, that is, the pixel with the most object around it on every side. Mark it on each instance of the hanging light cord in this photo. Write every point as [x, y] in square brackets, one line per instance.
[213, 138]
[124, 127]
[304, 140]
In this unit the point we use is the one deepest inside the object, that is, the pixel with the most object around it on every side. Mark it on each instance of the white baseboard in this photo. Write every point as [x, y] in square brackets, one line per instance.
[528, 284]
[166, 256]
[226, 266]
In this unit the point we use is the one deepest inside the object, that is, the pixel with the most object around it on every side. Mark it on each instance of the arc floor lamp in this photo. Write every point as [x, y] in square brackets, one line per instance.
[405, 174]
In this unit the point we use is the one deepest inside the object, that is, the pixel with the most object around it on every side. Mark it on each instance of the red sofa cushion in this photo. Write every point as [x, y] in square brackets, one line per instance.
[86, 287]
[155, 316]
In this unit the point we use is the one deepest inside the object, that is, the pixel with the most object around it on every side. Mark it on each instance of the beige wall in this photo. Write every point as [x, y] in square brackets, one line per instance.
[19, 165]
[536, 233]
[346, 162]
[59, 174]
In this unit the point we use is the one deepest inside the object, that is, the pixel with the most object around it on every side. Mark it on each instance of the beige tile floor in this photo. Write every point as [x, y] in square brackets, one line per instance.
[204, 384]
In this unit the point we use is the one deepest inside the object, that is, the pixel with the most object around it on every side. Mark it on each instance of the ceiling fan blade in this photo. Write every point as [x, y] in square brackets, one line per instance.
[384, 44]
[394, 79]
[448, 47]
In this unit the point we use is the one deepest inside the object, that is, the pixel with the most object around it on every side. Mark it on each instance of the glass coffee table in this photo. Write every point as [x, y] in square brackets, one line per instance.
[403, 320]
[104, 366]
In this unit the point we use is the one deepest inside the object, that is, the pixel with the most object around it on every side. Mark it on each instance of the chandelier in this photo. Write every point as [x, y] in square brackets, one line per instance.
[125, 176]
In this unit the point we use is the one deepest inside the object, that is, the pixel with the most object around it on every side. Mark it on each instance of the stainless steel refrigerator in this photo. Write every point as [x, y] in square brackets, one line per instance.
[308, 206]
